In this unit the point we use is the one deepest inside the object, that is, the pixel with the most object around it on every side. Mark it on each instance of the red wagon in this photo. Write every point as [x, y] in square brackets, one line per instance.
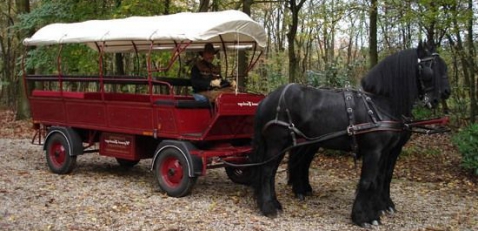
[80, 114]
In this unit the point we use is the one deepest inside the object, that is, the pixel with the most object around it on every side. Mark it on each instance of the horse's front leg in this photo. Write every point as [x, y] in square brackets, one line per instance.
[386, 203]
[364, 211]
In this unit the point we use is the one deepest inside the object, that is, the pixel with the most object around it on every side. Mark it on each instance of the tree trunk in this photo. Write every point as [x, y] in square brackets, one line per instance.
[293, 61]
[466, 67]
[472, 64]
[373, 53]
[23, 107]
[119, 70]
[279, 28]
[203, 5]
[242, 59]
[6, 47]
[167, 6]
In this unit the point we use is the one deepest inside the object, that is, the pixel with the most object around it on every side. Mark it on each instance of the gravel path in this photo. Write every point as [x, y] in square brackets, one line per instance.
[100, 195]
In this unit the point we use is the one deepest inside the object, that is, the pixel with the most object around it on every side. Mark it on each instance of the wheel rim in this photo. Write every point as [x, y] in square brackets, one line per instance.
[171, 171]
[57, 154]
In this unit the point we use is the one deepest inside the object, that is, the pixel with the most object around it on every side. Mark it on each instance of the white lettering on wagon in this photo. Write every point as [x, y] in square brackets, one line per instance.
[124, 143]
[247, 104]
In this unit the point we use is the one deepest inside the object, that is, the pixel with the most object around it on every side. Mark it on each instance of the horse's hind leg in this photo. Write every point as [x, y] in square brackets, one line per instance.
[298, 169]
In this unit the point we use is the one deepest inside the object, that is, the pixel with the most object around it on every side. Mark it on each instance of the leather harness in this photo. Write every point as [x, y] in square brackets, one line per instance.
[352, 130]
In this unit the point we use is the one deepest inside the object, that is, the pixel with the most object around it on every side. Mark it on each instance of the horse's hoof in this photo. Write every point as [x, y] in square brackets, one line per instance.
[278, 205]
[270, 214]
[366, 225]
[382, 212]
[270, 209]
[391, 210]
[301, 197]
[369, 226]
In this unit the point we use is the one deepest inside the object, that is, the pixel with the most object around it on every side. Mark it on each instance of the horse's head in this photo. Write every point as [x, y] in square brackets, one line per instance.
[432, 76]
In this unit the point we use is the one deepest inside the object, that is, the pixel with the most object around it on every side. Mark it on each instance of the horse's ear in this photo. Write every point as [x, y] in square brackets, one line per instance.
[421, 49]
[425, 49]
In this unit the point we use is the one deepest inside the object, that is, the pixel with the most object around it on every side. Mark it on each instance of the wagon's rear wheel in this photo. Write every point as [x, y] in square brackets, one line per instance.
[58, 154]
[171, 172]
[239, 175]
[127, 163]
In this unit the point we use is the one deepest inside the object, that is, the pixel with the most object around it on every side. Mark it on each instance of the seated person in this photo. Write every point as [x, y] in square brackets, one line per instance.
[206, 78]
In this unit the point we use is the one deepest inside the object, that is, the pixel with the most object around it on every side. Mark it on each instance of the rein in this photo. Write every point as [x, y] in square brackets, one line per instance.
[420, 126]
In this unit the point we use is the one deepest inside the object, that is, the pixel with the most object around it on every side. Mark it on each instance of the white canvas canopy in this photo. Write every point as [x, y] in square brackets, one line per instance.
[136, 33]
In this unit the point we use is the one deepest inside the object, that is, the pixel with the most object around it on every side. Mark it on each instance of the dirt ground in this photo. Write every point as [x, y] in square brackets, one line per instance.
[430, 190]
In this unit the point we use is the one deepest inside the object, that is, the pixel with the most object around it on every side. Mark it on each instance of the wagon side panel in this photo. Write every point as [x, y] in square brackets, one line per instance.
[84, 112]
[48, 110]
[130, 117]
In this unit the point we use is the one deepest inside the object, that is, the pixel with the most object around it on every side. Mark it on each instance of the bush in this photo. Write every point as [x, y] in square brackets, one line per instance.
[467, 143]
[421, 113]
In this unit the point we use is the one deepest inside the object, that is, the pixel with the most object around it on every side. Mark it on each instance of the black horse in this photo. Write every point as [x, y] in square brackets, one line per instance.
[370, 122]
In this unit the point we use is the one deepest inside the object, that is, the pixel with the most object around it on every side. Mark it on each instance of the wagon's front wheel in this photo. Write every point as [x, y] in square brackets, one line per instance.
[171, 172]
[58, 154]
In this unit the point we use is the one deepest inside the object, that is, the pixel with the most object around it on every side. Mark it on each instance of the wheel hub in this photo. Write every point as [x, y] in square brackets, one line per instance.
[171, 172]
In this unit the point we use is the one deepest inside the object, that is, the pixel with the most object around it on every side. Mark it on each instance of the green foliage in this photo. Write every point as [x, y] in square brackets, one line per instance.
[421, 113]
[467, 143]
[42, 59]
[408, 150]
[142, 8]
[416, 148]
[47, 12]
[334, 75]
[460, 106]
[268, 75]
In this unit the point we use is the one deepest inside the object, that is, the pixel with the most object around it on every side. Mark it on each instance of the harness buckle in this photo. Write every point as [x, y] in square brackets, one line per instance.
[291, 125]
[351, 130]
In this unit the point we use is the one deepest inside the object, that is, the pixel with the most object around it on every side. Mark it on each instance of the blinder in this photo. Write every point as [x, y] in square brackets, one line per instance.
[425, 77]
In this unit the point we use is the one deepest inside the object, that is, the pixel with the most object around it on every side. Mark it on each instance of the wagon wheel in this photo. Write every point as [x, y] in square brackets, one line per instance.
[171, 172]
[239, 175]
[58, 154]
[127, 163]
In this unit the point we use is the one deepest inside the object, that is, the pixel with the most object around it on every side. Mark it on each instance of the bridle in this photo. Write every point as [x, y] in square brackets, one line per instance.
[423, 90]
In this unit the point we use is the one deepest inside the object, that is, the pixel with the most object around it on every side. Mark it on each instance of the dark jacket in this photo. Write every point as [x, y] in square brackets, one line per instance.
[203, 73]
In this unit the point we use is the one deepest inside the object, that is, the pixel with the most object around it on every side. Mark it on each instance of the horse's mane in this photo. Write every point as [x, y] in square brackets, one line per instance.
[395, 78]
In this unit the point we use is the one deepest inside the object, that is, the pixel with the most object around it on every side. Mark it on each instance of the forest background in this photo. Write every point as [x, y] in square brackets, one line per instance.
[318, 42]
